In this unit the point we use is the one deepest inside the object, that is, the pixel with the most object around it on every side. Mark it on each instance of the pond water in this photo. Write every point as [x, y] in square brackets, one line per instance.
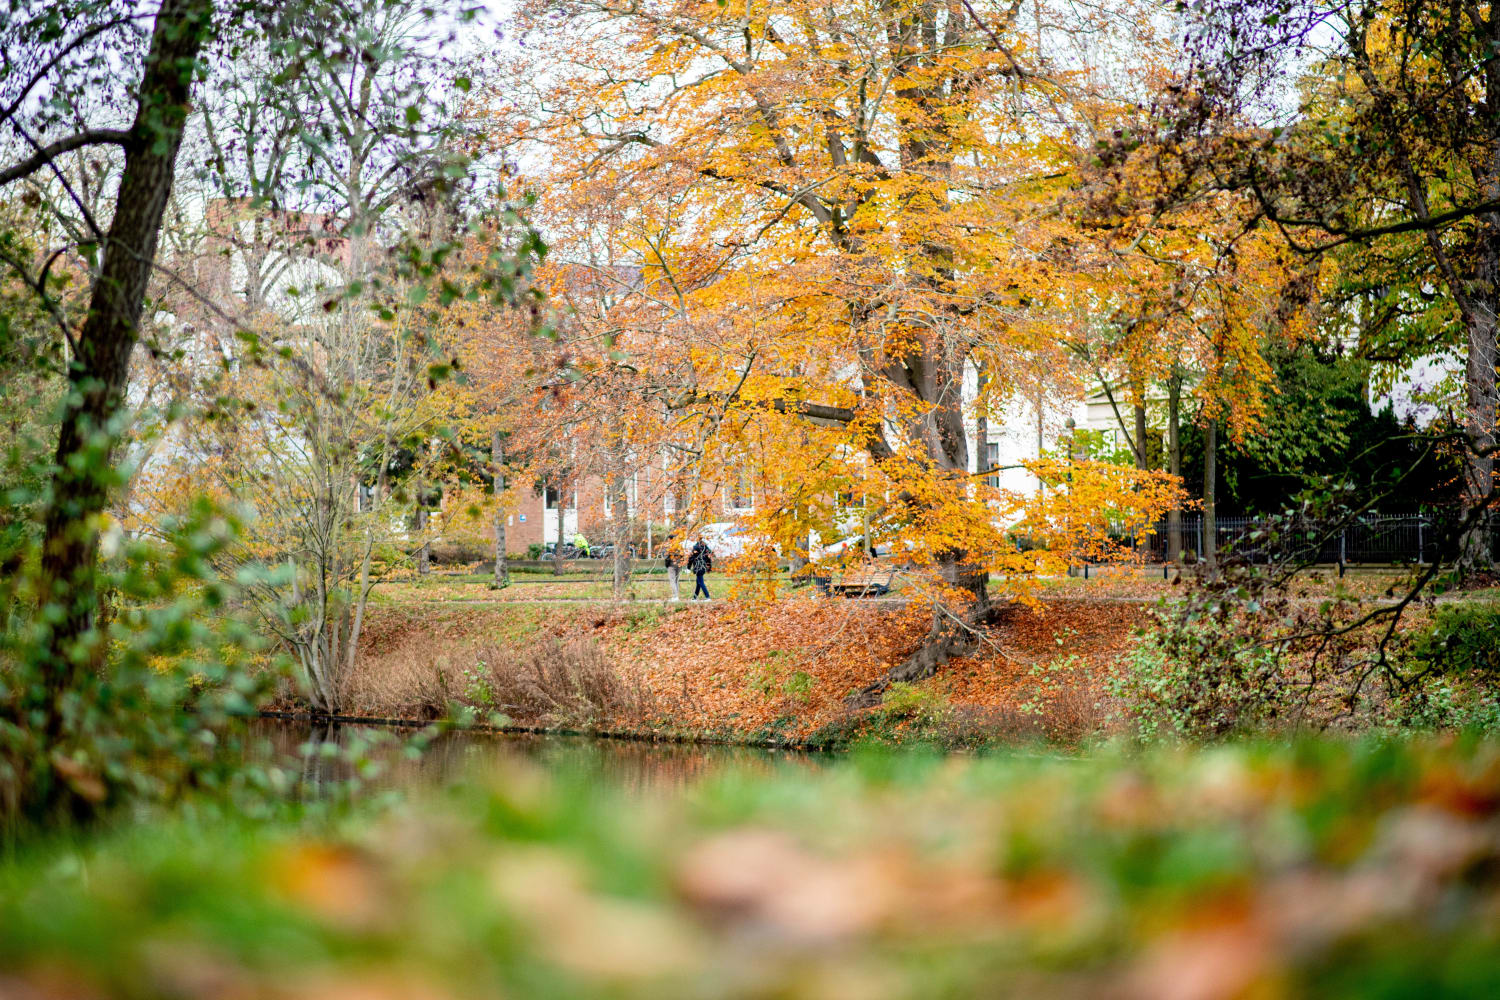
[630, 766]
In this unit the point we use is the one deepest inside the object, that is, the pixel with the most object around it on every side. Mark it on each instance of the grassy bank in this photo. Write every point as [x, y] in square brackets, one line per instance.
[1080, 661]
[1323, 869]
[773, 673]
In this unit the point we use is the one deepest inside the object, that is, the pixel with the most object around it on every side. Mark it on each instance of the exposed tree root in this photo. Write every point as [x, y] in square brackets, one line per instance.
[953, 633]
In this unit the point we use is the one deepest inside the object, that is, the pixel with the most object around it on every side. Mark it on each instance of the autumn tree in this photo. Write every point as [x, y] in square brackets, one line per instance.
[1368, 124]
[838, 213]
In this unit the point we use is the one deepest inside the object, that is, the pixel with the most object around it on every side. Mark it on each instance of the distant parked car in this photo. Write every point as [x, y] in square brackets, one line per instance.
[726, 538]
[854, 543]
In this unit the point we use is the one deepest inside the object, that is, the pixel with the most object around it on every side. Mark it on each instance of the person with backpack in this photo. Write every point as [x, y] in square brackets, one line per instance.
[700, 562]
[673, 562]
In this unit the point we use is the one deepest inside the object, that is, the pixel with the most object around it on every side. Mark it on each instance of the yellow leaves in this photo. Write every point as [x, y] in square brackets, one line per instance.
[1095, 511]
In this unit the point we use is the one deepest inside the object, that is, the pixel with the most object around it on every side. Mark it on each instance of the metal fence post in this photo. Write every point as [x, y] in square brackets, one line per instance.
[1421, 549]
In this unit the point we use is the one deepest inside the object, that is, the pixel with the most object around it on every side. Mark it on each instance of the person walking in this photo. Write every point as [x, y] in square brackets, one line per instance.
[673, 562]
[700, 562]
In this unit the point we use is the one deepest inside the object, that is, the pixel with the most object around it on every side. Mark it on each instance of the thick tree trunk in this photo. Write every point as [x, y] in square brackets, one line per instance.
[955, 630]
[935, 376]
[497, 464]
[99, 369]
[1210, 554]
[1480, 391]
[1174, 464]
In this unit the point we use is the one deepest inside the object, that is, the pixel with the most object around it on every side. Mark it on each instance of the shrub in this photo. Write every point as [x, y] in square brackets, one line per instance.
[1452, 668]
[1199, 678]
[153, 718]
[459, 552]
[921, 704]
[799, 686]
[418, 678]
[1065, 699]
[1462, 638]
[770, 679]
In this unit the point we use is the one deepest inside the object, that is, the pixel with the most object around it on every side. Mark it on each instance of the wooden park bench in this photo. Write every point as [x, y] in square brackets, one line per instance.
[866, 581]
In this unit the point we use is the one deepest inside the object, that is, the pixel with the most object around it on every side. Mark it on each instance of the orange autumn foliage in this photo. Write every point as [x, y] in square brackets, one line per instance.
[786, 236]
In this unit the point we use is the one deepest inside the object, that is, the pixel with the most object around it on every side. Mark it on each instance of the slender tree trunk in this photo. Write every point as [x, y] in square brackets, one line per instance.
[1139, 414]
[497, 464]
[981, 426]
[799, 555]
[620, 535]
[1210, 553]
[562, 507]
[1174, 464]
[1142, 456]
[101, 366]
[424, 553]
[362, 598]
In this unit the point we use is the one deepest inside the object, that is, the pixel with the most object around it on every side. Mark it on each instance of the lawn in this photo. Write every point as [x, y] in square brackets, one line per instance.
[1124, 583]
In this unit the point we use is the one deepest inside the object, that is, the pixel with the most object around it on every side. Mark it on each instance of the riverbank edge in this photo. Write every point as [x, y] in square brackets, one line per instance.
[518, 729]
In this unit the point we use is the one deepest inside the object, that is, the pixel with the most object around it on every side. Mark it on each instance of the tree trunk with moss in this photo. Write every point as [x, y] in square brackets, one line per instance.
[100, 367]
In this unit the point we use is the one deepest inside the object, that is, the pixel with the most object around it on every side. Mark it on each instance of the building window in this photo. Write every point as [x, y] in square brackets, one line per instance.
[992, 459]
[551, 498]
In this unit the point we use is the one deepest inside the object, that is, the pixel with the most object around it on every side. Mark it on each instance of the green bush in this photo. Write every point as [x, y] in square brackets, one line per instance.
[921, 704]
[1463, 638]
[1452, 669]
[1198, 679]
[151, 721]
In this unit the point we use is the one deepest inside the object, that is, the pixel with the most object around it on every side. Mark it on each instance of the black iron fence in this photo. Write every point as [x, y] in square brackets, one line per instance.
[1369, 540]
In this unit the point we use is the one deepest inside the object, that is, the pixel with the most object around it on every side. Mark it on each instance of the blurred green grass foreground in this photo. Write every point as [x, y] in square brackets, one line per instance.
[1327, 869]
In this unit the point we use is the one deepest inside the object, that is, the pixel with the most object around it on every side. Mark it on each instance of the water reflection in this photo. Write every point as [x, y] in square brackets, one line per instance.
[633, 767]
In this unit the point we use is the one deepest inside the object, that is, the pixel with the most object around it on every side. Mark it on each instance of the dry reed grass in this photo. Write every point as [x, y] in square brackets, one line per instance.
[558, 682]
